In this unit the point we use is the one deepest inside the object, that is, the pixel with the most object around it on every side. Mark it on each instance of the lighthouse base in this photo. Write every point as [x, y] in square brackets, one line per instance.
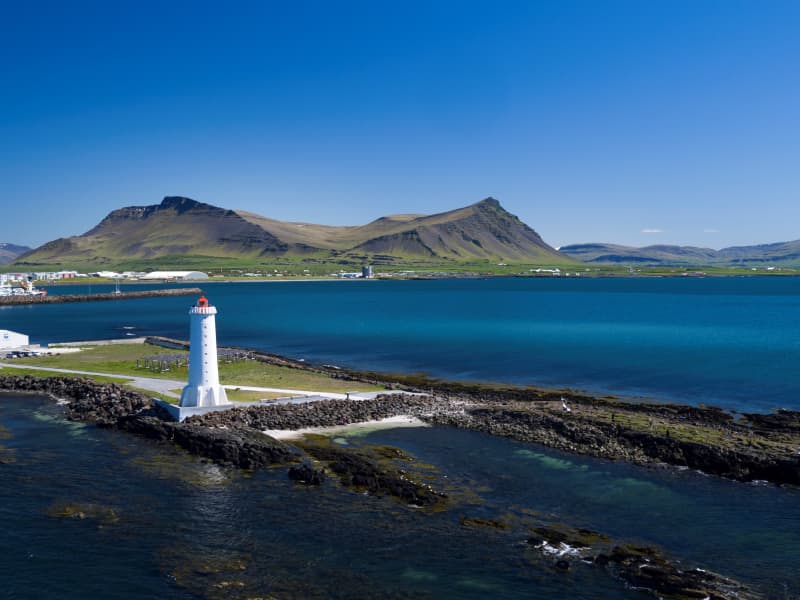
[203, 396]
[179, 413]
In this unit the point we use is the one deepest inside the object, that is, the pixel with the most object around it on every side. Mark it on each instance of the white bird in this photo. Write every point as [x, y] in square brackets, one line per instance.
[564, 405]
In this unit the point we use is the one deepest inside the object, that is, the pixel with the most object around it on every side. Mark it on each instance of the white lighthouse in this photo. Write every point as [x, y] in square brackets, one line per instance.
[203, 389]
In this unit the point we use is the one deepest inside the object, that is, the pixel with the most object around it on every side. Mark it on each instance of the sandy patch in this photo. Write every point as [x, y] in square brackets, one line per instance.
[351, 429]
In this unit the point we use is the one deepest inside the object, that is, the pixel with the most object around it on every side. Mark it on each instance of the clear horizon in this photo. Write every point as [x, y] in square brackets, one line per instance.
[621, 122]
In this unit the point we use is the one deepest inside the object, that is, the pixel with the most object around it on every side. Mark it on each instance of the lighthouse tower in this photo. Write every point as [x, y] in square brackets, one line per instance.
[203, 388]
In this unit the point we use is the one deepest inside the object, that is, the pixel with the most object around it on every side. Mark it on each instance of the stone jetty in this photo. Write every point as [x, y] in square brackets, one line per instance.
[17, 300]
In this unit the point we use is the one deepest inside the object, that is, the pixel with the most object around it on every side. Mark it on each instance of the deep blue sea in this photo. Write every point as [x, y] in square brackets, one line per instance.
[155, 523]
[732, 342]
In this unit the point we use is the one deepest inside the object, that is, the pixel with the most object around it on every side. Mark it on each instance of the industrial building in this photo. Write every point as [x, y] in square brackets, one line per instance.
[175, 275]
[12, 339]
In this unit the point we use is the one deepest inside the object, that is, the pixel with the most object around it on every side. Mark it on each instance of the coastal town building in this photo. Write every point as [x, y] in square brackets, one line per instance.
[175, 275]
[12, 339]
[37, 276]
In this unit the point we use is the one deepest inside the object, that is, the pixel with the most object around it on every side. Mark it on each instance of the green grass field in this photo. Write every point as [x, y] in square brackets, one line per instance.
[120, 360]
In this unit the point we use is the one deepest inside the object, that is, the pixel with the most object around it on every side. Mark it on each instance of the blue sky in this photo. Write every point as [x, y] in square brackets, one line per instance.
[630, 122]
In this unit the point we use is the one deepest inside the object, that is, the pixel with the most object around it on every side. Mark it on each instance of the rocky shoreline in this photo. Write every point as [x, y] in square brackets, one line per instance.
[744, 451]
[235, 438]
[744, 447]
[230, 441]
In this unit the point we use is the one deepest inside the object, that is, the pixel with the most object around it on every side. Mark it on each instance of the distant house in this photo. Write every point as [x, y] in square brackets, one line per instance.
[12, 339]
[177, 275]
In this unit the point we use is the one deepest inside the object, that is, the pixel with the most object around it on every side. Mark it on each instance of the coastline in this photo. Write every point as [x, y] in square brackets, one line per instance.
[740, 446]
[235, 438]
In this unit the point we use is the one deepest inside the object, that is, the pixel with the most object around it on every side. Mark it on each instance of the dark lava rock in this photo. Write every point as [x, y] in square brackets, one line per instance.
[601, 560]
[247, 449]
[111, 405]
[641, 567]
[87, 400]
[646, 567]
[782, 420]
[478, 522]
[306, 474]
[359, 471]
[575, 538]
[325, 413]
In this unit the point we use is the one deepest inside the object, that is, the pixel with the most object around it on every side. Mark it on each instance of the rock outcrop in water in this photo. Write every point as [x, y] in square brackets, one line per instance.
[641, 567]
[597, 427]
[243, 448]
[355, 470]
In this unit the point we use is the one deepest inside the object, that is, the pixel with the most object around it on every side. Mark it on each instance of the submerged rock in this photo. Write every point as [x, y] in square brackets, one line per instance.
[306, 474]
[642, 567]
[359, 471]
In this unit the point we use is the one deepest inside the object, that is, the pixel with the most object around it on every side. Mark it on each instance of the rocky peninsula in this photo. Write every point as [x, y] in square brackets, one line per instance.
[744, 447]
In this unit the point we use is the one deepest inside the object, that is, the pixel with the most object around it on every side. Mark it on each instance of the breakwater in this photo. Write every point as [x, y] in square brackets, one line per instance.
[18, 300]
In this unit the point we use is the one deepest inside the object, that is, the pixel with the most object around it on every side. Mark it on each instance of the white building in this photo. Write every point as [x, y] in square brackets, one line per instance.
[12, 339]
[182, 275]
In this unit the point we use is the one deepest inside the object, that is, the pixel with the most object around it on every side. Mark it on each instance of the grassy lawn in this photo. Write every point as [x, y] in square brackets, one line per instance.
[120, 359]
[250, 372]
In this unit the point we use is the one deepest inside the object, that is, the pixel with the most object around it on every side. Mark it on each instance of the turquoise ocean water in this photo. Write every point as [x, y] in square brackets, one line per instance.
[156, 523]
[733, 342]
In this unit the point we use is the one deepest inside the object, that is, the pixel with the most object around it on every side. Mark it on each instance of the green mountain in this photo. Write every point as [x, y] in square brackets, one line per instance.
[780, 254]
[9, 252]
[184, 231]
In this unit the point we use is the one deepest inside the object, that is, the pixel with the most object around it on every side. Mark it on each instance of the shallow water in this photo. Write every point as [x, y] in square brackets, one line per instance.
[732, 342]
[154, 523]
[151, 522]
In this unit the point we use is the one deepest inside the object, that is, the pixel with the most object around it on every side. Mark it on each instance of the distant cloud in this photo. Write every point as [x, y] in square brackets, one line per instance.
[710, 230]
[652, 231]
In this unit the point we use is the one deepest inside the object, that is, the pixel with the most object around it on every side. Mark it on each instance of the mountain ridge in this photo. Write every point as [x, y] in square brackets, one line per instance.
[180, 227]
[9, 251]
[778, 253]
